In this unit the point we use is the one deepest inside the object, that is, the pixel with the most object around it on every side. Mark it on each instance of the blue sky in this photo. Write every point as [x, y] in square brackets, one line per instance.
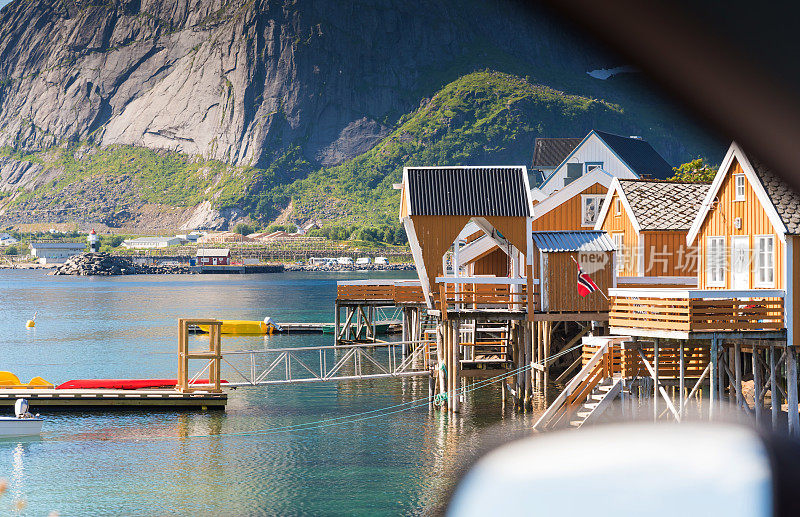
[4, 2]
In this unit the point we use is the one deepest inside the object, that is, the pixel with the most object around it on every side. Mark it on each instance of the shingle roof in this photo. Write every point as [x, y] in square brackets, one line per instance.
[639, 155]
[664, 205]
[550, 152]
[573, 241]
[785, 199]
[472, 191]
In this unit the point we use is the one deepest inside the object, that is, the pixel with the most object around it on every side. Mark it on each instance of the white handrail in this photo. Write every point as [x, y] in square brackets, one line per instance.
[483, 280]
[696, 293]
[380, 282]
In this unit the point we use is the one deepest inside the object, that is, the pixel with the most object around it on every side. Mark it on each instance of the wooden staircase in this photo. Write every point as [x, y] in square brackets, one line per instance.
[598, 401]
[590, 392]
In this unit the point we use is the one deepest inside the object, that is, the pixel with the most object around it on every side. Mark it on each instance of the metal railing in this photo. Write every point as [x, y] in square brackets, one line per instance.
[325, 363]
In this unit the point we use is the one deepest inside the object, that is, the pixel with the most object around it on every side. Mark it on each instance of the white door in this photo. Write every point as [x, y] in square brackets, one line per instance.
[740, 262]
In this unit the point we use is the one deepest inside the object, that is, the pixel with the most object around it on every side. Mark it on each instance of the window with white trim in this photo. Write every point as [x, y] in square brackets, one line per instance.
[764, 261]
[619, 244]
[590, 166]
[739, 183]
[591, 205]
[715, 261]
[617, 206]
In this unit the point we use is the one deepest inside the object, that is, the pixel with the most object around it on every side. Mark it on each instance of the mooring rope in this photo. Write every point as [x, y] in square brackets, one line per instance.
[358, 417]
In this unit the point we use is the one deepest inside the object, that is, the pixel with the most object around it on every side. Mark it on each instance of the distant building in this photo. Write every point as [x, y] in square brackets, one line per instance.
[189, 237]
[7, 240]
[222, 237]
[56, 252]
[151, 242]
[618, 156]
[548, 153]
[307, 228]
[213, 257]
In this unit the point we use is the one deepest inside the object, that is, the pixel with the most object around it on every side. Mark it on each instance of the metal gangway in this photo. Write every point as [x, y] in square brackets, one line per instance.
[329, 363]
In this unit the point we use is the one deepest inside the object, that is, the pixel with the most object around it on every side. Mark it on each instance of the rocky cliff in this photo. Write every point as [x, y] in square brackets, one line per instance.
[244, 82]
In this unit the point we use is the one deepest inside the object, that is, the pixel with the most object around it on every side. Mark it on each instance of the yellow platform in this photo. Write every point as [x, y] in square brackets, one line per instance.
[242, 327]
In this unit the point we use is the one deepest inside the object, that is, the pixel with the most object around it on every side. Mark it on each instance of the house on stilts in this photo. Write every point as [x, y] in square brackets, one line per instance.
[738, 322]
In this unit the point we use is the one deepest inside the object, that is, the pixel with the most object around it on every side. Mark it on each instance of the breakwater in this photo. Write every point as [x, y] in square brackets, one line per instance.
[104, 264]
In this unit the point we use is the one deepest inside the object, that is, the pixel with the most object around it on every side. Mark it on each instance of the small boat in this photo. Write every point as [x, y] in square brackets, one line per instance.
[24, 424]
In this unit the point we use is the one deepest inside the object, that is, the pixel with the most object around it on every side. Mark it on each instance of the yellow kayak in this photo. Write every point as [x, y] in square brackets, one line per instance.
[9, 380]
[243, 327]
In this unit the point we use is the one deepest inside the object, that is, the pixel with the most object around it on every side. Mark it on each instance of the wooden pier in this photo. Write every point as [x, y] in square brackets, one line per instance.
[102, 399]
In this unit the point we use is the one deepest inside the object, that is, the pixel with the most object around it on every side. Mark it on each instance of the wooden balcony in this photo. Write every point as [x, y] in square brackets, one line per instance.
[391, 292]
[681, 313]
[485, 295]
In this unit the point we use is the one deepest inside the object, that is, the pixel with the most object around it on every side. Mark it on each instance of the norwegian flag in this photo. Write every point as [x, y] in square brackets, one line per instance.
[585, 284]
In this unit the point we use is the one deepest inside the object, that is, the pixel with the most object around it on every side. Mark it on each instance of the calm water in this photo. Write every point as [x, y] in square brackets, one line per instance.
[171, 463]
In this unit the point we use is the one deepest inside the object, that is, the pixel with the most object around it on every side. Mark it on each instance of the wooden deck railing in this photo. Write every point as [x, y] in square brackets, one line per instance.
[626, 362]
[697, 310]
[391, 291]
[473, 293]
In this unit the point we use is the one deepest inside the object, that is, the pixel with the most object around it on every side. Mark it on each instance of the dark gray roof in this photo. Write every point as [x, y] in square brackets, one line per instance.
[664, 205]
[639, 155]
[785, 199]
[473, 191]
[550, 152]
[573, 241]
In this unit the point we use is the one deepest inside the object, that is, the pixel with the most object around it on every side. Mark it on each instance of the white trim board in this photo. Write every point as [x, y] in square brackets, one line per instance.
[616, 187]
[734, 151]
[560, 197]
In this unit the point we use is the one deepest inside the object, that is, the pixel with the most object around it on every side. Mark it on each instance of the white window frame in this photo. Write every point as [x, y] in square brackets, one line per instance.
[590, 166]
[717, 277]
[758, 266]
[619, 244]
[599, 198]
[617, 206]
[736, 195]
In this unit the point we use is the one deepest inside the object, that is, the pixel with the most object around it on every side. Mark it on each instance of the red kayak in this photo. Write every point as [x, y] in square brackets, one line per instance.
[122, 384]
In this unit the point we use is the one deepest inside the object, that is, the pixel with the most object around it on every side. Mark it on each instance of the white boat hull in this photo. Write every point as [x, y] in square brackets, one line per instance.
[11, 426]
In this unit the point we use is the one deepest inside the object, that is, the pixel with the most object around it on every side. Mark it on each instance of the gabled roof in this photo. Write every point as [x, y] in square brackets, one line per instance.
[549, 242]
[662, 205]
[638, 155]
[550, 152]
[784, 196]
[469, 191]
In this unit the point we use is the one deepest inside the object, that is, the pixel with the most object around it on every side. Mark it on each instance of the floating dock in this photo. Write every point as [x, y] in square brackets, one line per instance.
[53, 399]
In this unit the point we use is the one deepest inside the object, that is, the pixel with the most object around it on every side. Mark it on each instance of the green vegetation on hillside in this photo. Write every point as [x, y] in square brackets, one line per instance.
[697, 170]
[482, 118]
[162, 177]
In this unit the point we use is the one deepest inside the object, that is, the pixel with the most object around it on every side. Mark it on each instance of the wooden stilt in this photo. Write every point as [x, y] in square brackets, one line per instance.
[737, 362]
[681, 379]
[336, 323]
[775, 396]
[791, 390]
[758, 383]
[456, 367]
[655, 379]
[440, 357]
[713, 396]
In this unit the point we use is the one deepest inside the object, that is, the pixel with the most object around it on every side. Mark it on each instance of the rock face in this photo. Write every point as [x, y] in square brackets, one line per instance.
[241, 80]
[103, 264]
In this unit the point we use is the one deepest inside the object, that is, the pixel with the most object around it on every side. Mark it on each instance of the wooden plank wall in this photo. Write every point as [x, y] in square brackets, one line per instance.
[666, 254]
[495, 263]
[435, 234]
[621, 223]
[562, 284]
[794, 241]
[720, 222]
[566, 216]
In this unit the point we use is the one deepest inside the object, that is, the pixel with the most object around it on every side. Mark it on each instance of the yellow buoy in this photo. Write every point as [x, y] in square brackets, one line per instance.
[30, 324]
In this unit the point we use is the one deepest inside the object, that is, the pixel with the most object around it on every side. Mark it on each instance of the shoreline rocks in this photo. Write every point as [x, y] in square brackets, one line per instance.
[103, 264]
